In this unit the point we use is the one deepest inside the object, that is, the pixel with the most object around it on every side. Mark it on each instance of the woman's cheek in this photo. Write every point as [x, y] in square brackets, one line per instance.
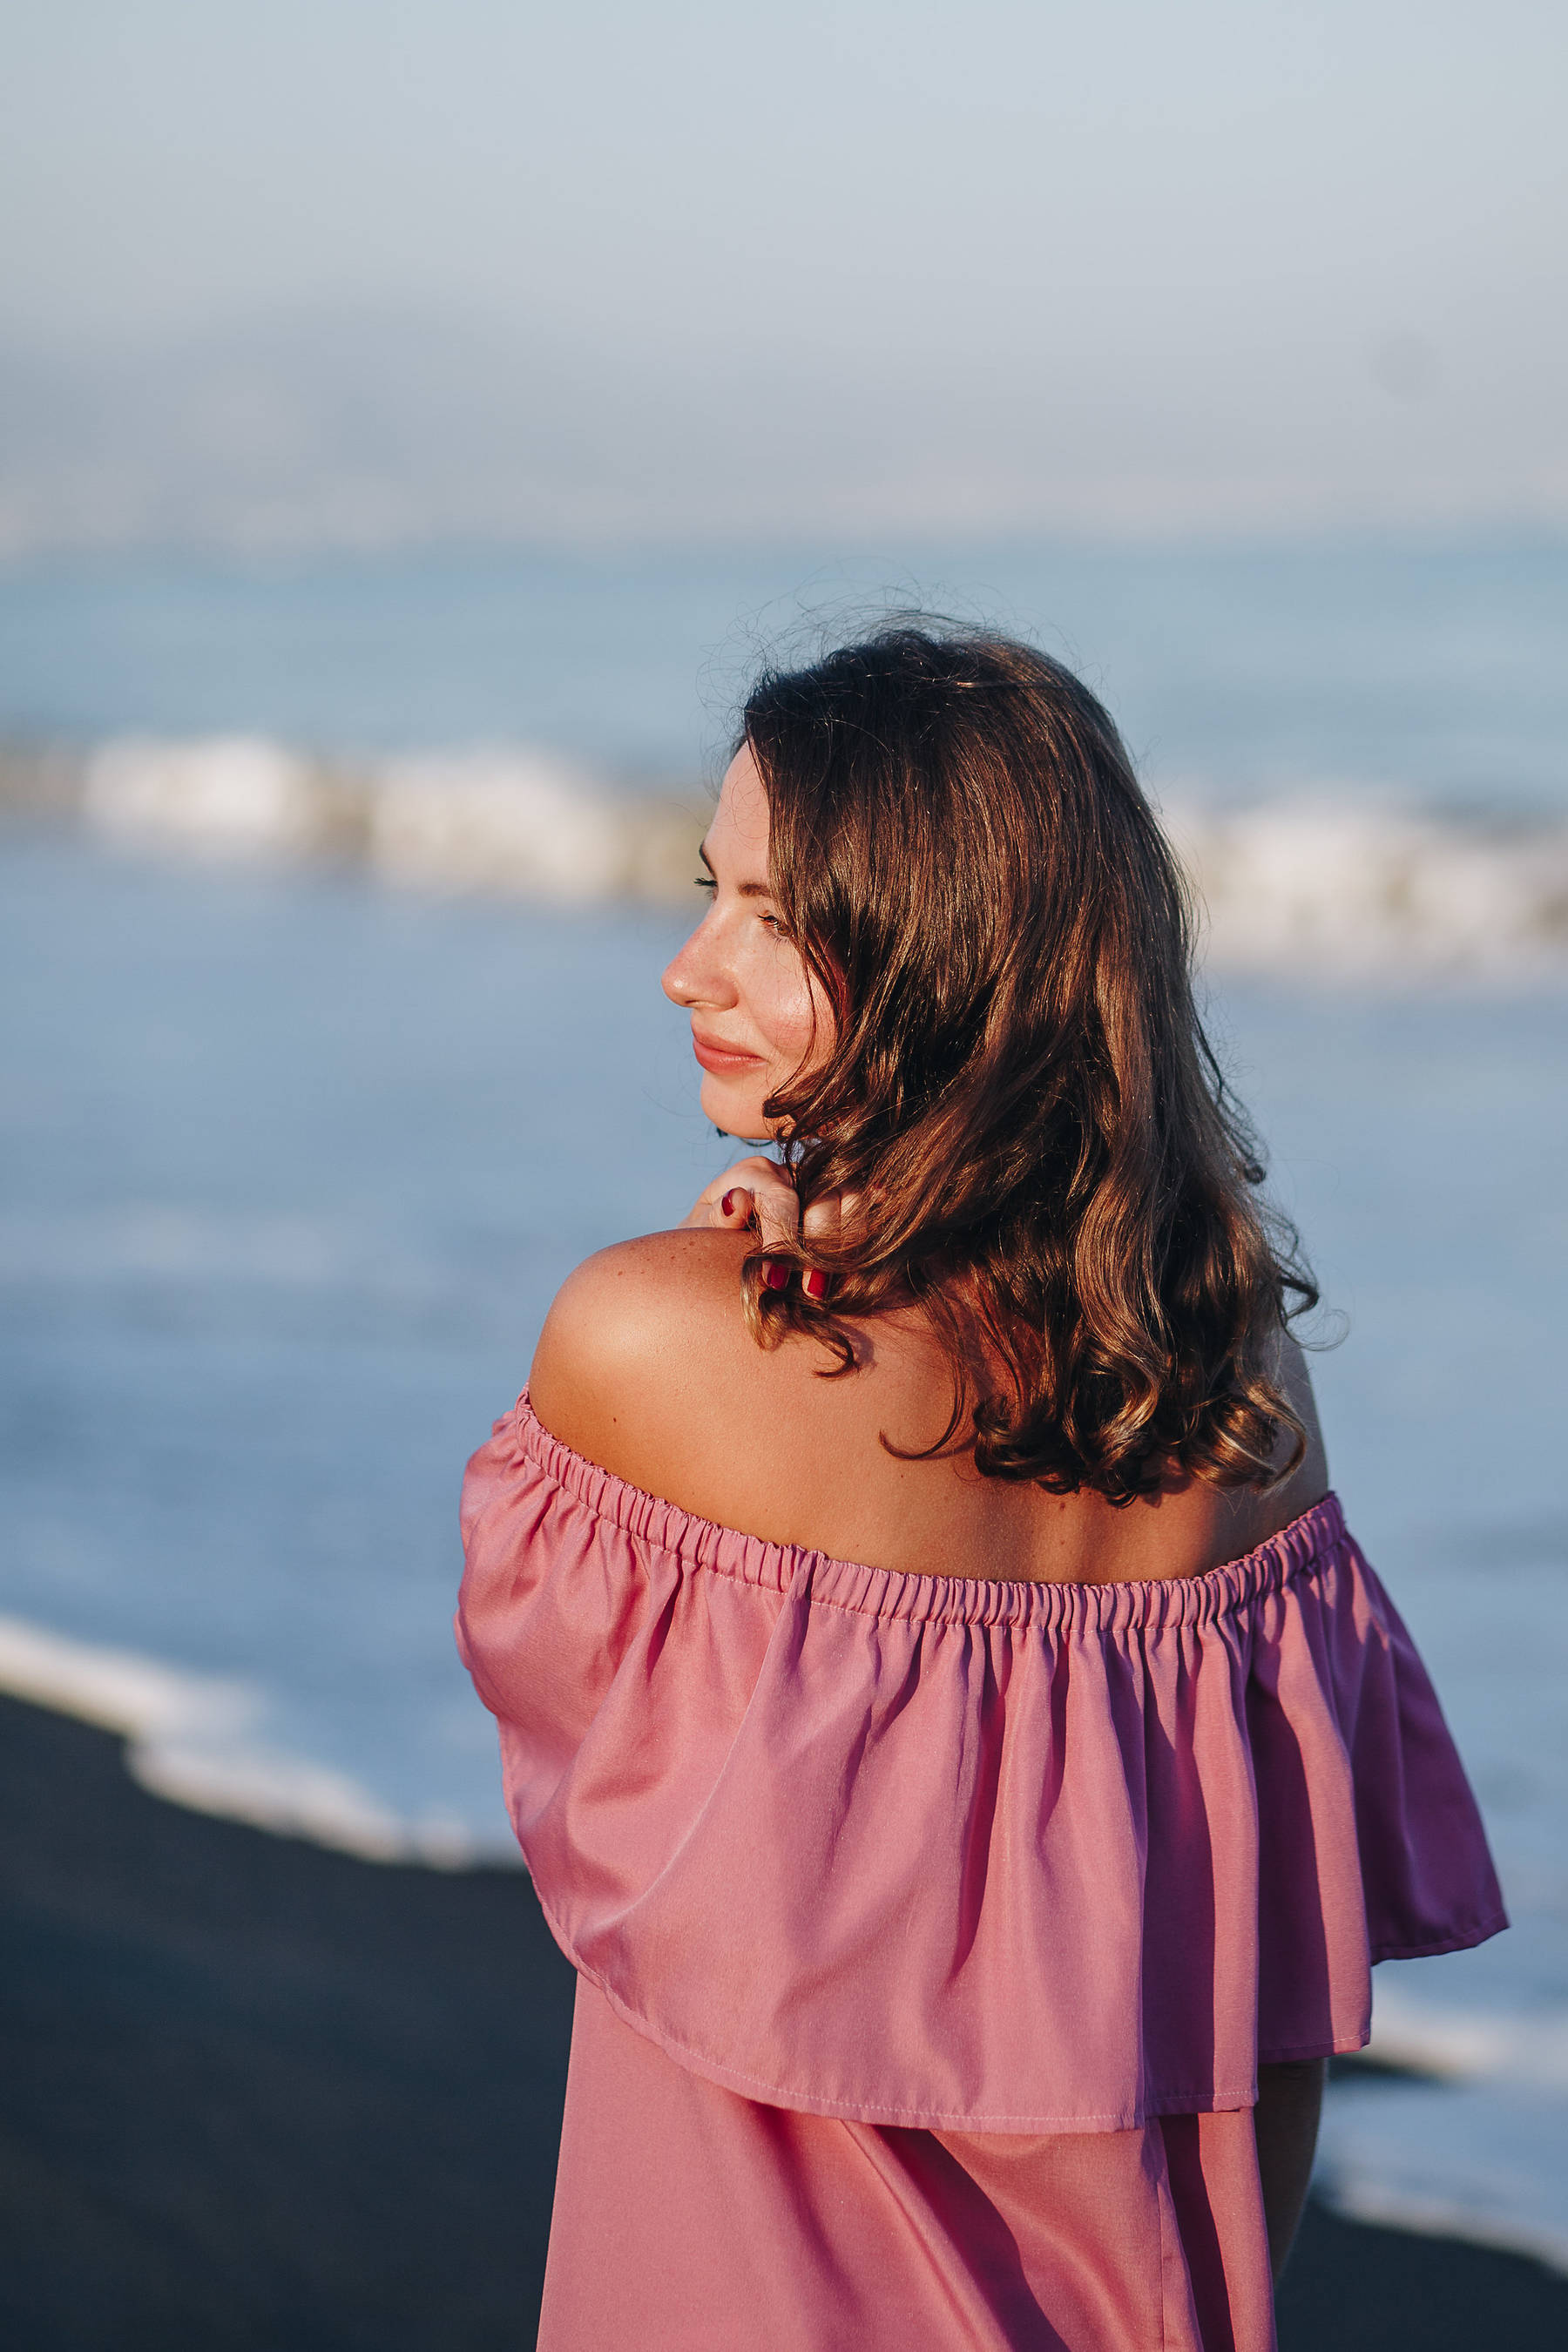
[792, 1031]
[786, 1007]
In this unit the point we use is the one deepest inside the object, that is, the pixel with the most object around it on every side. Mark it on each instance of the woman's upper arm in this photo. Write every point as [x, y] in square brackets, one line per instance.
[626, 1357]
[587, 1359]
[1309, 1482]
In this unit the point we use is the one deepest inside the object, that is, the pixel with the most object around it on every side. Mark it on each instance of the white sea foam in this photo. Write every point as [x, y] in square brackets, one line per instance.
[516, 823]
[512, 821]
[229, 795]
[192, 1739]
[1344, 885]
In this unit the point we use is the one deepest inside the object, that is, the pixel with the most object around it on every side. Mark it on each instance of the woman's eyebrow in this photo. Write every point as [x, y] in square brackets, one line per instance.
[743, 889]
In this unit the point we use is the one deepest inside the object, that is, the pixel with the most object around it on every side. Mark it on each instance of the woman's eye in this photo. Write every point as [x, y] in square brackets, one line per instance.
[705, 882]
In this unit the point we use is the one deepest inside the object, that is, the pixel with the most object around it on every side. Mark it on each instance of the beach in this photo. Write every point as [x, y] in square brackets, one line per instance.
[260, 2095]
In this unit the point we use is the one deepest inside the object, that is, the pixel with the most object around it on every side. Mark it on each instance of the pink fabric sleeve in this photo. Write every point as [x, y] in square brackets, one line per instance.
[1004, 1857]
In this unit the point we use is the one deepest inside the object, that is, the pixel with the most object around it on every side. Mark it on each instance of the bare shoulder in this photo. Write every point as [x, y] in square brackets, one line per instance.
[1309, 1482]
[640, 1339]
[1251, 1517]
[647, 1366]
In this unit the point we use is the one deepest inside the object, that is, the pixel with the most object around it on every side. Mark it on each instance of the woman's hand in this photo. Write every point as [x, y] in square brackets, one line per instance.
[755, 1189]
[759, 1189]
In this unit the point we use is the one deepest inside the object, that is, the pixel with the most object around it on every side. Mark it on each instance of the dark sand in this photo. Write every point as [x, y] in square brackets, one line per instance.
[259, 2098]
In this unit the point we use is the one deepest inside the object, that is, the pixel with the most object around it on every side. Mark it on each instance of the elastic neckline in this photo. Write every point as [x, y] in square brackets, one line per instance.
[1306, 1546]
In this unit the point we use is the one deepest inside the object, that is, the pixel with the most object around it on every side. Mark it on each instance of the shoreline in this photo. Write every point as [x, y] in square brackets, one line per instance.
[257, 2090]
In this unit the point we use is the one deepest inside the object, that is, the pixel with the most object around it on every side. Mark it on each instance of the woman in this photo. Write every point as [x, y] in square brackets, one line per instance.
[953, 1734]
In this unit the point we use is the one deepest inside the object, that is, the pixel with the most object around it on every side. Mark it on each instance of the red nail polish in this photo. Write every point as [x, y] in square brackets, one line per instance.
[814, 1284]
[724, 1204]
[776, 1275]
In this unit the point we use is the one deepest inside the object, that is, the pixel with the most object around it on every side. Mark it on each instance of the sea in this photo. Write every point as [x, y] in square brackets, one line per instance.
[333, 898]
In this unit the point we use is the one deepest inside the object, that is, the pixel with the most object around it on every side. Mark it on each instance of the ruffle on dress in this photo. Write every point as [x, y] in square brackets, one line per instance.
[940, 1851]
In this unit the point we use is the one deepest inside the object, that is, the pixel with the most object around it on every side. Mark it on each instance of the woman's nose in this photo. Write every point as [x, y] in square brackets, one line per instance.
[675, 984]
[697, 976]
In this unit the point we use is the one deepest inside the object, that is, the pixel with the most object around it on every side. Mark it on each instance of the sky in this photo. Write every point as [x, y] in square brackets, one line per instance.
[363, 272]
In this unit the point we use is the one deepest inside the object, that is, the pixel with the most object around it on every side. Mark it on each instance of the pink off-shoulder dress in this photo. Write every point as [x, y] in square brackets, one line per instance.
[929, 1931]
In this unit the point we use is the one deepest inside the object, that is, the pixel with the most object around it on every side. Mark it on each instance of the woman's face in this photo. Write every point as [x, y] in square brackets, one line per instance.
[756, 1013]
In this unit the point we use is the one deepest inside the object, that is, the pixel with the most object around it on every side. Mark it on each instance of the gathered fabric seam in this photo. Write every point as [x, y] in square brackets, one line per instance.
[1277, 1571]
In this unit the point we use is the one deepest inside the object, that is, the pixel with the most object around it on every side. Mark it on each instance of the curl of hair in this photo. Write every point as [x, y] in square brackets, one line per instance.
[1019, 1106]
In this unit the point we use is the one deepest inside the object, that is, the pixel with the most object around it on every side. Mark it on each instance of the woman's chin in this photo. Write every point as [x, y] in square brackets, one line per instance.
[734, 1107]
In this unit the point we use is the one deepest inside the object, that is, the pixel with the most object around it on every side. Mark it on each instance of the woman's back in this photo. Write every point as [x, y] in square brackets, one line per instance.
[647, 1367]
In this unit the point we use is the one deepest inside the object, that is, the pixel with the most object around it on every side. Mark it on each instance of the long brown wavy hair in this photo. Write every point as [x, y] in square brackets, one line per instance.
[1019, 1101]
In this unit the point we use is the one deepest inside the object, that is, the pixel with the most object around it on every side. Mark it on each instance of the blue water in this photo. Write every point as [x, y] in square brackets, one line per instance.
[1438, 671]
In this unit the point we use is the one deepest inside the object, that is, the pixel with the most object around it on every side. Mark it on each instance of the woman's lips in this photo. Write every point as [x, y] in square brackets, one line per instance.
[721, 1059]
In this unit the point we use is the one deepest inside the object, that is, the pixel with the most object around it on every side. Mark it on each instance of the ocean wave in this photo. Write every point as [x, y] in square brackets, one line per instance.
[232, 795]
[511, 822]
[1336, 882]
[192, 1739]
[1344, 885]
